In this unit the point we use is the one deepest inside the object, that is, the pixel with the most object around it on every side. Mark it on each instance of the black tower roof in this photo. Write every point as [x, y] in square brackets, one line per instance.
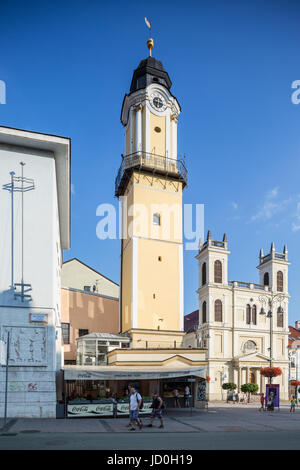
[149, 71]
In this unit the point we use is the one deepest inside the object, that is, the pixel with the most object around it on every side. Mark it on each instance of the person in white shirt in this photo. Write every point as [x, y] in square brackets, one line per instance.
[187, 396]
[134, 405]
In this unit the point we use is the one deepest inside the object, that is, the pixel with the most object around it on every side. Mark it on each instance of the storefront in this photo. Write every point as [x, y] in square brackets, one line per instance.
[103, 391]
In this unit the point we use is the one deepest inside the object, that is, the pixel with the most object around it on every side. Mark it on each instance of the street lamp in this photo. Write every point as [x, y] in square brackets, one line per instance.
[271, 301]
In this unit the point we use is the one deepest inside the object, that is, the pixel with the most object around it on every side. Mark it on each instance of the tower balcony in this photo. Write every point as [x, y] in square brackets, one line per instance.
[149, 163]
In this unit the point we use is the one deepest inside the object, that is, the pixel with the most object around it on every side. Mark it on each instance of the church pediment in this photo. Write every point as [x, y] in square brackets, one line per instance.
[251, 357]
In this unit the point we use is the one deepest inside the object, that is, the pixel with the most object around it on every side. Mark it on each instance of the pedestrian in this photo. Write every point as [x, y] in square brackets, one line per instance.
[238, 398]
[234, 397]
[157, 405]
[134, 406]
[245, 399]
[293, 404]
[270, 404]
[262, 402]
[176, 398]
[187, 396]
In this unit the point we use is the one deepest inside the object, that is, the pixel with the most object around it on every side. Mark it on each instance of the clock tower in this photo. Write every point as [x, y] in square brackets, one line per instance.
[149, 185]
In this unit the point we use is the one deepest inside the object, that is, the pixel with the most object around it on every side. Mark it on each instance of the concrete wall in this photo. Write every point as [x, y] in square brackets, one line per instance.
[35, 349]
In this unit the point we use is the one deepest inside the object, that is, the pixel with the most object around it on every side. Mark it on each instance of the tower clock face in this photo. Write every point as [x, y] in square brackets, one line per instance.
[157, 102]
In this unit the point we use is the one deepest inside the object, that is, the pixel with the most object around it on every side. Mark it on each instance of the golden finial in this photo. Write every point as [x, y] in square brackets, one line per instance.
[150, 42]
[150, 45]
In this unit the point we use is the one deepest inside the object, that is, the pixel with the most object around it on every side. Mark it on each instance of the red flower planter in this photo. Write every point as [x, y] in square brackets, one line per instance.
[270, 371]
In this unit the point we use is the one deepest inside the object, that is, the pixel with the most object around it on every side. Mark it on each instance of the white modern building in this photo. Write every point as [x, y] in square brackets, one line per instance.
[34, 228]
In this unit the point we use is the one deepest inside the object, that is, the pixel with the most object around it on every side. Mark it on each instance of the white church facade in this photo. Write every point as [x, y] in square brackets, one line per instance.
[34, 228]
[234, 319]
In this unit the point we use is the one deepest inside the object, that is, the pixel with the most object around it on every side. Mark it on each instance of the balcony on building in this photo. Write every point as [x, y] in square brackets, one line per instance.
[150, 163]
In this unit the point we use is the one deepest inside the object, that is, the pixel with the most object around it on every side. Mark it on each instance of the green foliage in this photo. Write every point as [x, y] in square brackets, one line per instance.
[229, 386]
[249, 388]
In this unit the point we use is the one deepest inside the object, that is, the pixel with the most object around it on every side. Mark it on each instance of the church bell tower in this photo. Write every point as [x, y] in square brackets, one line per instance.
[149, 186]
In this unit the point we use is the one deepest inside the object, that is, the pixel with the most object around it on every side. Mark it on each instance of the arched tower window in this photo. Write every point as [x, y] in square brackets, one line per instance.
[254, 316]
[248, 314]
[204, 312]
[266, 279]
[280, 281]
[218, 310]
[280, 317]
[218, 272]
[203, 274]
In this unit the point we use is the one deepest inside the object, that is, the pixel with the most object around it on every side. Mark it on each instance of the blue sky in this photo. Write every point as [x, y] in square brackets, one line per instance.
[68, 64]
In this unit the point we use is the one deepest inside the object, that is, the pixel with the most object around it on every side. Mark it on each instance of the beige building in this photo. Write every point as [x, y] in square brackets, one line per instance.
[232, 326]
[90, 304]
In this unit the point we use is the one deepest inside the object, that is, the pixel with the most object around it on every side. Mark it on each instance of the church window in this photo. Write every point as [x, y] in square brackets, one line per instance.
[248, 314]
[204, 312]
[218, 272]
[280, 317]
[280, 281]
[203, 274]
[266, 279]
[254, 316]
[218, 310]
[249, 346]
[156, 219]
[157, 129]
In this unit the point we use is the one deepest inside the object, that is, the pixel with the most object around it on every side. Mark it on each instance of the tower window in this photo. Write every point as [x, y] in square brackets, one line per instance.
[203, 274]
[159, 258]
[153, 296]
[266, 279]
[156, 219]
[280, 317]
[155, 79]
[204, 312]
[218, 272]
[157, 129]
[280, 281]
[218, 310]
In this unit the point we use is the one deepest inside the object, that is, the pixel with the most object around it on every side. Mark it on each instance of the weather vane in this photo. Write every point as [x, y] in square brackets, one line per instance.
[150, 42]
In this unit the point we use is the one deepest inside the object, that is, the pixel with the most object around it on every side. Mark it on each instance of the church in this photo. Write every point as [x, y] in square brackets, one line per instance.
[236, 323]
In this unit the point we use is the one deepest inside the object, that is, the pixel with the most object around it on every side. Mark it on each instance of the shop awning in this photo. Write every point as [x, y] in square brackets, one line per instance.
[134, 373]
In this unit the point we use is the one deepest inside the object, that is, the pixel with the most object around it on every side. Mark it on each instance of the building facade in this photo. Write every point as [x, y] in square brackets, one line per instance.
[89, 304]
[231, 325]
[35, 227]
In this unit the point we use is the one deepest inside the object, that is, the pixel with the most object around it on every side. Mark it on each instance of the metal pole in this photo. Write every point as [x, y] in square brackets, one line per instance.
[6, 380]
[12, 173]
[22, 281]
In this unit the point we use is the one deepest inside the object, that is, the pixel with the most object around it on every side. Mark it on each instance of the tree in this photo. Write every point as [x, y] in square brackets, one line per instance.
[229, 386]
[249, 388]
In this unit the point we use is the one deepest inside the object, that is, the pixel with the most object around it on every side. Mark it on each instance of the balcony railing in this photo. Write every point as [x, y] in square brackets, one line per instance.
[248, 285]
[156, 164]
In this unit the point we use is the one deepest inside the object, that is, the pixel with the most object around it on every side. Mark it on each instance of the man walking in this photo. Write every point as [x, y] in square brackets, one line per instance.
[135, 402]
[157, 404]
